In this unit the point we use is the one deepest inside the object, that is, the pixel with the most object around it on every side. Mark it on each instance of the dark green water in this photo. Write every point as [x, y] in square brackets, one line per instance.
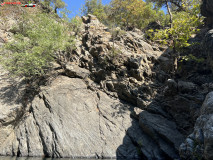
[36, 158]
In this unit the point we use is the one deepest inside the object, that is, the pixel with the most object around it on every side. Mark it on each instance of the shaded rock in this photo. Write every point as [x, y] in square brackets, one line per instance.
[186, 87]
[200, 142]
[144, 145]
[137, 74]
[125, 92]
[155, 108]
[163, 131]
[172, 88]
[142, 103]
[135, 62]
[161, 76]
[208, 42]
[185, 110]
[206, 10]
[207, 45]
[166, 64]
[154, 25]
[172, 84]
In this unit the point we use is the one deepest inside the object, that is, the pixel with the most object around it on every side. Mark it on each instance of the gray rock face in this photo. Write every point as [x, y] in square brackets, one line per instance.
[10, 109]
[199, 143]
[67, 120]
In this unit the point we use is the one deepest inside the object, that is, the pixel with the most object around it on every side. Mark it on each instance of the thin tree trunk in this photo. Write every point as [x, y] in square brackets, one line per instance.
[169, 12]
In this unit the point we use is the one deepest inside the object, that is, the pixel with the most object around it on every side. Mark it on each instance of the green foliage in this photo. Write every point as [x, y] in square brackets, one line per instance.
[174, 4]
[59, 3]
[38, 38]
[128, 13]
[184, 25]
[63, 13]
[56, 4]
[134, 13]
[192, 58]
[114, 52]
[95, 7]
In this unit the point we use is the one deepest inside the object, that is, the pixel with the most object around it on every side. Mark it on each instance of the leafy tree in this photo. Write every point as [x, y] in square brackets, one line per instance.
[128, 13]
[185, 23]
[38, 37]
[95, 7]
[133, 13]
[56, 4]
[167, 3]
[172, 3]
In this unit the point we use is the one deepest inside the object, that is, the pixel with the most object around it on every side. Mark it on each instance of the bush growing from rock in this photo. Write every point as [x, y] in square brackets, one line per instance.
[38, 37]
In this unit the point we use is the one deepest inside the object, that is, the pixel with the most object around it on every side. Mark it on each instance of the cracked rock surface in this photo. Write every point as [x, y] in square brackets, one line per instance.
[67, 120]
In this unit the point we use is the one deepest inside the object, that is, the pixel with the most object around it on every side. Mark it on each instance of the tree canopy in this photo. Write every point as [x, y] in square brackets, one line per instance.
[56, 4]
[184, 24]
[128, 13]
[96, 8]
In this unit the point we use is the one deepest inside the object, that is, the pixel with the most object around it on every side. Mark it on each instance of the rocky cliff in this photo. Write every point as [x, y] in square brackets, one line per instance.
[198, 145]
[118, 96]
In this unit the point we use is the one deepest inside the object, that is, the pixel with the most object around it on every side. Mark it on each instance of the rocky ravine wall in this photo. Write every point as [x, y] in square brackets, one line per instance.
[104, 103]
[199, 144]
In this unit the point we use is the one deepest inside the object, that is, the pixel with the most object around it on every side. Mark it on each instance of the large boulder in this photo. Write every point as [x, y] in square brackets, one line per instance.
[68, 120]
[199, 144]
